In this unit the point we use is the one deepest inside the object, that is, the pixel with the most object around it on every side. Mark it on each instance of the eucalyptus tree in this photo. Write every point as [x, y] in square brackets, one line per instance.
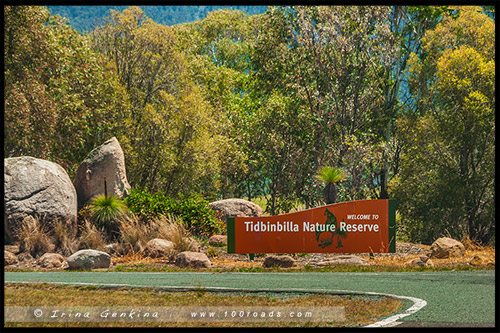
[446, 185]
[169, 136]
[60, 98]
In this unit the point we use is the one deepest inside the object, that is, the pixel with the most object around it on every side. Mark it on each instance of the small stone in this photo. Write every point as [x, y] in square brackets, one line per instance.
[477, 261]
[158, 247]
[218, 240]
[9, 258]
[192, 259]
[25, 256]
[422, 261]
[445, 247]
[191, 244]
[284, 261]
[51, 260]
[344, 260]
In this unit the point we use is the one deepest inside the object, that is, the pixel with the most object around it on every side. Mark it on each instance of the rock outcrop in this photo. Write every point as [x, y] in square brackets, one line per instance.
[105, 162]
[38, 188]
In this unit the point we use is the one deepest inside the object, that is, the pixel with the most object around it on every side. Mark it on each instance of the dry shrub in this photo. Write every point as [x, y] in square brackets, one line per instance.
[64, 238]
[91, 237]
[135, 233]
[33, 237]
[172, 229]
[470, 245]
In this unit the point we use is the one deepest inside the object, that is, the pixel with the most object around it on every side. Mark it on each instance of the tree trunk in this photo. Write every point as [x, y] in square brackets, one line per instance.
[330, 193]
[383, 185]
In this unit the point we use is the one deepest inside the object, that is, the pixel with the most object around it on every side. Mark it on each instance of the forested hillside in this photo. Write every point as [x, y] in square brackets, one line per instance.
[86, 18]
[255, 106]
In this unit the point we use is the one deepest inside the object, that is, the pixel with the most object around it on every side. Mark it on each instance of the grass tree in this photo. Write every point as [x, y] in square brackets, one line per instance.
[107, 210]
[330, 176]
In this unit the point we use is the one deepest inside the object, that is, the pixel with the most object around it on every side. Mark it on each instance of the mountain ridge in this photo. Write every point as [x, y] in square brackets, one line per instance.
[86, 18]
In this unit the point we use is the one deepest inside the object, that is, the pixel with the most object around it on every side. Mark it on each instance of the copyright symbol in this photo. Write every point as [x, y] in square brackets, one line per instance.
[38, 313]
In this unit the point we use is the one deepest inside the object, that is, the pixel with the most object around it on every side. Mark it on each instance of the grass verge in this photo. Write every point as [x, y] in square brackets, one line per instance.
[359, 311]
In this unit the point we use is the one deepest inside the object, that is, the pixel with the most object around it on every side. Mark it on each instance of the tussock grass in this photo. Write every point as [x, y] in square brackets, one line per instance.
[64, 237]
[34, 238]
[91, 237]
[135, 234]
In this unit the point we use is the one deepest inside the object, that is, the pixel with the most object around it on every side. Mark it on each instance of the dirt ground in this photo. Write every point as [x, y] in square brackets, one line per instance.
[405, 252]
[475, 256]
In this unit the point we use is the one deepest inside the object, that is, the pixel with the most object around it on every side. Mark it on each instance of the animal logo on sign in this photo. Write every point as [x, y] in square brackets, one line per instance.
[325, 238]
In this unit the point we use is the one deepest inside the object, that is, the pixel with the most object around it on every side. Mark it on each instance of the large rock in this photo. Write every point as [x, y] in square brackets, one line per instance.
[89, 259]
[235, 207]
[158, 247]
[278, 261]
[104, 162]
[445, 247]
[192, 259]
[38, 188]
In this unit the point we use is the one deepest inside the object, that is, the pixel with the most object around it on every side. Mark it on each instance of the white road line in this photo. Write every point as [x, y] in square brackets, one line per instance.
[391, 321]
[418, 303]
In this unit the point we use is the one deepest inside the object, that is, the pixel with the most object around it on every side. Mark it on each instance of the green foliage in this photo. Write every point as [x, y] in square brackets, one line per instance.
[330, 174]
[59, 102]
[176, 143]
[234, 105]
[106, 213]
[194, 211]
[446, 185]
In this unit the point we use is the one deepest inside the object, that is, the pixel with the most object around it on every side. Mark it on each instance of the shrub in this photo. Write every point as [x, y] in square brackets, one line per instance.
[194, 211]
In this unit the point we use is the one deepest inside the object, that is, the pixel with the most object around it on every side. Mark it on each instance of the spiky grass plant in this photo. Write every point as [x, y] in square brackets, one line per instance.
[330, 176]
[107, 211]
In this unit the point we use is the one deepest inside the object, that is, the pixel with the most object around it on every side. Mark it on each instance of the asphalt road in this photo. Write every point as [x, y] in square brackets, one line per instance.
[454, 298]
